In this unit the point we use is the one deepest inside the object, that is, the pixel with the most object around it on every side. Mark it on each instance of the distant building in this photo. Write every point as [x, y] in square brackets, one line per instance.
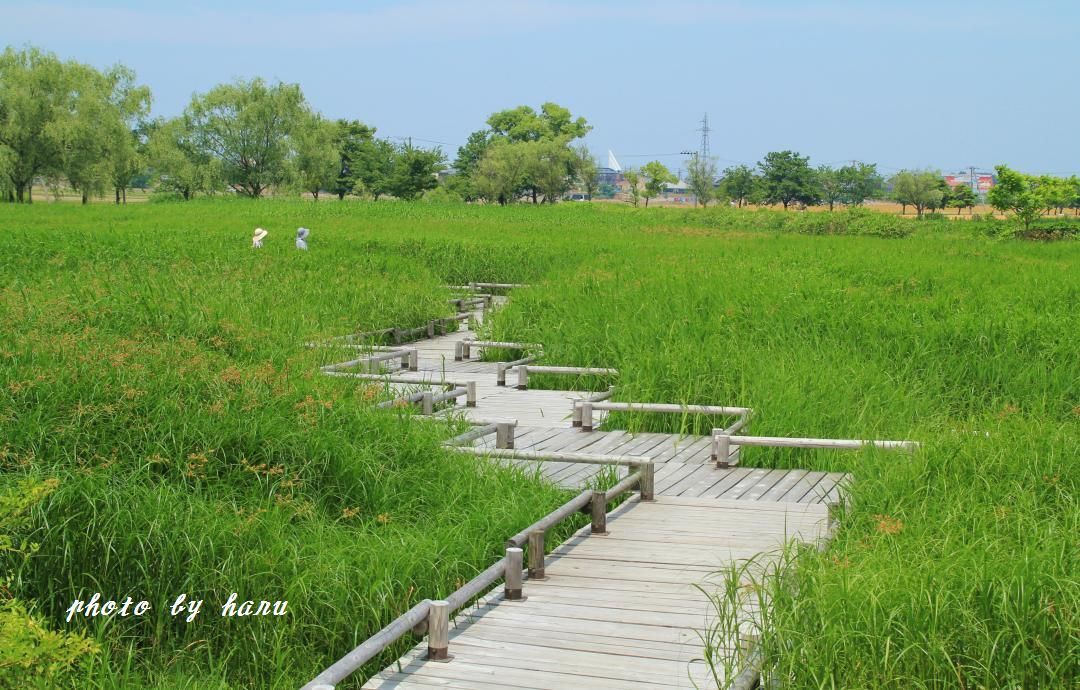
[608, 176]
[980, 182]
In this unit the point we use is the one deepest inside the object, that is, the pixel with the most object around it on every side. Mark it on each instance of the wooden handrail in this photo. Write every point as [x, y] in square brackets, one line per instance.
[583, 411]
[415, 618]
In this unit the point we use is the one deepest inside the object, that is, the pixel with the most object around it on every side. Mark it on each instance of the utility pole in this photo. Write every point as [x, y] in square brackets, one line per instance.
[974, 183]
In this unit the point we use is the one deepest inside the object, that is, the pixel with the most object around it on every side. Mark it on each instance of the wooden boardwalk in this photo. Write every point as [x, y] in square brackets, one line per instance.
[624, 609]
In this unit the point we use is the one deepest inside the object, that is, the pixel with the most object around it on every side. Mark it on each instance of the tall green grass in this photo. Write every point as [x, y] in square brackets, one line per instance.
[154, 364]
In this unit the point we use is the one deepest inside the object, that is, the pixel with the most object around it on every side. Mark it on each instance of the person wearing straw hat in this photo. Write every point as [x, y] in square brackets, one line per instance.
[301, 238]
[257, 238]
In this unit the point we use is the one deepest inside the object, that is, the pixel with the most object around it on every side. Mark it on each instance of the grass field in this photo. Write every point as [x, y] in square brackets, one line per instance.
[153, 364]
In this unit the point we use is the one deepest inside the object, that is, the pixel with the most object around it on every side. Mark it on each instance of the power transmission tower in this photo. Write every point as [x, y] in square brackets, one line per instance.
[704, 136]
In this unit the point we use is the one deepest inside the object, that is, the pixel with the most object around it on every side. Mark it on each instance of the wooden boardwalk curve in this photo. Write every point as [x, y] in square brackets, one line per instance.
[623, 609]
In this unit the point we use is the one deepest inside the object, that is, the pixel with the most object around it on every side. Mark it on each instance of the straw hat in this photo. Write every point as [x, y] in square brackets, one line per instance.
[259, 234]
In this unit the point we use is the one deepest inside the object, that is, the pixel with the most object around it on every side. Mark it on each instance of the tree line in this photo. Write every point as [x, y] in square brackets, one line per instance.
[66, 122]
[63, 122]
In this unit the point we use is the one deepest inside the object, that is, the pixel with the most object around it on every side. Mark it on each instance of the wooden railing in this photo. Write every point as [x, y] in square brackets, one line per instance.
[433, 617]
[463, 348]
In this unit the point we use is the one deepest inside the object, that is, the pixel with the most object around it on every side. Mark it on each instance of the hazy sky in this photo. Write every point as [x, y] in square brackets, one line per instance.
[902, 84]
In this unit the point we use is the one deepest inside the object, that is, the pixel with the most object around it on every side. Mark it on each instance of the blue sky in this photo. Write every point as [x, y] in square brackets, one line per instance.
[902, 84]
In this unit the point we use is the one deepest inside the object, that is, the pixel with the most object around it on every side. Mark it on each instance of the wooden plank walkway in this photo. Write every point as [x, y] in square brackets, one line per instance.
[626, 609]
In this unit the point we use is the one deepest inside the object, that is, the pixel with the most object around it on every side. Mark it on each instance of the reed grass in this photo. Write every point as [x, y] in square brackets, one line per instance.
[154, 364]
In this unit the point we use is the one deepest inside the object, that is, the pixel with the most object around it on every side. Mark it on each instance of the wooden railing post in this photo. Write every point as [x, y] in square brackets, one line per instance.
[721, 450]
[575, 416]
[647, 480]
[439, 631]
[459, 349]
[500, 378]
[522, 377]
[586, 416]
[504, 435]
[414, 360]
[428, 403]
[599, 512]
[536, 555]
[431, 328]
[512, 576]
[466, 350]
[470, 394]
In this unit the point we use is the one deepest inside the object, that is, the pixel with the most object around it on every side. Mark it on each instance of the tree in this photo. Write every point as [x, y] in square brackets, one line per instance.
[523, 125]
[738, 184]
[131, 106]
[35, 95]
[918, 188]
[552, 168]
[372, 165]
[84, 136]
[1017, 193]
[942, 201]
[500, 174]
[585, 170]
[961, 196]
[468, 158]
[656, 176]
[414, 171]
[177, 164]
[247, 125]
[350, 137]
[633, 182]
[701, 176]
[831, 185]
[860, 182]
[786, 178]
[317, 160]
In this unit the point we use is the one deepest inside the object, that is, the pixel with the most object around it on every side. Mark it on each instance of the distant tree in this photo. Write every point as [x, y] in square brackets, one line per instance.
[918, 188]
[553, 167]
[37, 91]
[525, 124]
[85, 136]
[656, 176]
[831, 186]
[585, 171]
[633, 182]
[860, 181]
[500, 175]
[131, 106]
[468, 158]
[1074, 194]
[786, 178]
[349, 138]
[701, 177]
[371, 166]
[1057, 193]
[177, 164]
[962, 196]
[940, 202]
[738, 184]
[414, 171]
[1017, 193]
[317, 159]
[247, 125]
